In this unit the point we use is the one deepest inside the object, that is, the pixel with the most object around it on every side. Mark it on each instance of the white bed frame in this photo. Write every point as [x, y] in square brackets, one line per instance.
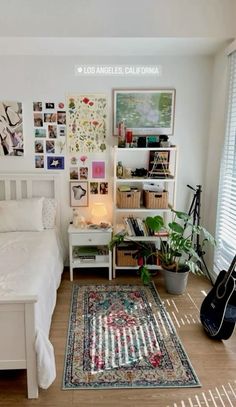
[17, 321]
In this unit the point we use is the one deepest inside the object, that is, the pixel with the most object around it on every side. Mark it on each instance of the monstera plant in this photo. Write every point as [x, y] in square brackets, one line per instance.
[176, 251]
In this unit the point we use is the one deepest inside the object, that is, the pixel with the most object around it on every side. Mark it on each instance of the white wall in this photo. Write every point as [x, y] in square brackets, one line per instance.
[112, 18]
[29, 79]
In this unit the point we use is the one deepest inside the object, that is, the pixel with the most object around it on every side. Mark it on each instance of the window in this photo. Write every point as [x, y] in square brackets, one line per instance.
[226, 211]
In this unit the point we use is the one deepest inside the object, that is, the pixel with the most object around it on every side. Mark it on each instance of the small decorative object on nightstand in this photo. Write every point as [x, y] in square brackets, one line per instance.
[88, 248]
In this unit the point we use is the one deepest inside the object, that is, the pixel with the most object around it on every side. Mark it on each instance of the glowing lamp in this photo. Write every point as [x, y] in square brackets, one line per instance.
[98, 212]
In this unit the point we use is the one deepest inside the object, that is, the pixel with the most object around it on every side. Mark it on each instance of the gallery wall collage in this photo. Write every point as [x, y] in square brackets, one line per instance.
[63, 134]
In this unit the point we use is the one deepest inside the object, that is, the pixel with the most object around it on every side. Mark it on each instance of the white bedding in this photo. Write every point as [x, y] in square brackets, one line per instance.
[31, 263]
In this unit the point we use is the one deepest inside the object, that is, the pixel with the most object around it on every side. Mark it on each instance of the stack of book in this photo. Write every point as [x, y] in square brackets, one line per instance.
[85, 253]
[137, 227]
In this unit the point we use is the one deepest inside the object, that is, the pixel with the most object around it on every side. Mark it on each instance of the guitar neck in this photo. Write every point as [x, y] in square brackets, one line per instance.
[230, 270]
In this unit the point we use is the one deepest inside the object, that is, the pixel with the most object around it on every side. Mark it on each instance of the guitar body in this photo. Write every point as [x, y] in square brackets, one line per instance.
[217, 309]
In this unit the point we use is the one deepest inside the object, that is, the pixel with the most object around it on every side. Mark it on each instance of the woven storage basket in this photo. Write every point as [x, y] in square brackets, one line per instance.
[129, 199]
[124, 256]
[155, 200]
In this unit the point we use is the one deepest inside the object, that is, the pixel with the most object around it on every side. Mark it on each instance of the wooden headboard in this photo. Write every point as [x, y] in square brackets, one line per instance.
[22, 186]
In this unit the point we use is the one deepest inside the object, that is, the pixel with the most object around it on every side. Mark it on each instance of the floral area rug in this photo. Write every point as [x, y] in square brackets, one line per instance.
[120, 336]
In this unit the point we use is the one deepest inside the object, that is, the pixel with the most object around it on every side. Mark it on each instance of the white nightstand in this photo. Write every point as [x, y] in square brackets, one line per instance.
[89, 237]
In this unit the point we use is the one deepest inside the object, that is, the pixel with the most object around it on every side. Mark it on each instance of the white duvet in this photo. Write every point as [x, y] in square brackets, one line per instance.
[31, 263]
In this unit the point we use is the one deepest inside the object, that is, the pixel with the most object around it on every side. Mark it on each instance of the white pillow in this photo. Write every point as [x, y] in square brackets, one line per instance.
[22, 215]
[49, 213]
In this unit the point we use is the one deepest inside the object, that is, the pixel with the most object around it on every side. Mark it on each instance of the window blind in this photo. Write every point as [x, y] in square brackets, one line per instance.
[226, 209]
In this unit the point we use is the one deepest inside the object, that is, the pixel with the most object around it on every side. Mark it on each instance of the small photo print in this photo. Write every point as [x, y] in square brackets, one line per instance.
[37, 106]
[40, 132]
[52, 131]
[38, 146]
[50, 146]
[73, 160]
[103, 188]
[93, 188]
[39, 161]
[83, 172]
[62, 131]
[50, 117]
[78, 193]
[74, 173]
[49, 105]
[38, 120]
[61, 117]
[55, 163]
[98, 169]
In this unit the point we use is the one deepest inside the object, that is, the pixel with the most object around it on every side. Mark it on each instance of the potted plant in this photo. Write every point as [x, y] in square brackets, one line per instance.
[177, 254]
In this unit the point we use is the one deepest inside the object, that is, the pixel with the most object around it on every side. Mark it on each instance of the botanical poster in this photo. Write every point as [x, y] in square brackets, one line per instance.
[86, 123]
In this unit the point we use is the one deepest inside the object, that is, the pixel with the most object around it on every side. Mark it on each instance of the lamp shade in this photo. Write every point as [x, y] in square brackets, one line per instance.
[98, 212]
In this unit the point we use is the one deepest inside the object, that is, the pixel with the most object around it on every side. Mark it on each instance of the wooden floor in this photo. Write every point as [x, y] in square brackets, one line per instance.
[213, 361]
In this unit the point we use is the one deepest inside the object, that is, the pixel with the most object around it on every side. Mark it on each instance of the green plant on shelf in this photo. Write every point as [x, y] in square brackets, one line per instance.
[177, 250]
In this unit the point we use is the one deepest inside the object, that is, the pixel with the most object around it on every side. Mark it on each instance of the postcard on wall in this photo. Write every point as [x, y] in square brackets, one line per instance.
[11, 129]
[39, 161]
[93, 188]
[86, 123]
[49, 123]
[55, 163]
[98, 169]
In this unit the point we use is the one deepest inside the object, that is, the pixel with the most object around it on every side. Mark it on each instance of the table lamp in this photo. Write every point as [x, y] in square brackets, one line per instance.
[98, 212]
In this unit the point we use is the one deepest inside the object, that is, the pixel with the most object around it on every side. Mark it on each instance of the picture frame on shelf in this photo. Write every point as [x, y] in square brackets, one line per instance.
[79, 194]
[144, 112]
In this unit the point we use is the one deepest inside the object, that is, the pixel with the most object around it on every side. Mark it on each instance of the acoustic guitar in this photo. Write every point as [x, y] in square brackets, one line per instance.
[218, 310]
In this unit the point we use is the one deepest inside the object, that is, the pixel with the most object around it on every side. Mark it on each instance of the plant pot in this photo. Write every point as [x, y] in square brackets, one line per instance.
[175, 283]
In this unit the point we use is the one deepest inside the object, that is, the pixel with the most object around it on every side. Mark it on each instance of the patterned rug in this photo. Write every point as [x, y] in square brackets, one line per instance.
[120, 336]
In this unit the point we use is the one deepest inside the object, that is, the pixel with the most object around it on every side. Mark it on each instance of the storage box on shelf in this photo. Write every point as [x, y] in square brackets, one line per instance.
[129, 200]
[155, 200]
[149, 194]
[124, 254]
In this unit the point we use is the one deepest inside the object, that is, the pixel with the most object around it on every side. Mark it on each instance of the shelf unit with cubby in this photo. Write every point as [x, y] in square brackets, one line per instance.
[131, 159]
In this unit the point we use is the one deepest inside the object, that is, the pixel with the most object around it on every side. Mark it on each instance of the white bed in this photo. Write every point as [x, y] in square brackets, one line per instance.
[31, 264]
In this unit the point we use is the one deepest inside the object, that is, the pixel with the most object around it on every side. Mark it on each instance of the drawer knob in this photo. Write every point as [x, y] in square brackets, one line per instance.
[90, 240]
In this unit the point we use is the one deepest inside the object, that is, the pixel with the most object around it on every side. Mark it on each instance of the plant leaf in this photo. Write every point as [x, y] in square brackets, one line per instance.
[176, 227]
[182, 215]
[155, 223]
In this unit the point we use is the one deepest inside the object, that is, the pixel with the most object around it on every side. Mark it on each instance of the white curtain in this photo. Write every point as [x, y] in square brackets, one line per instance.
[226, 211]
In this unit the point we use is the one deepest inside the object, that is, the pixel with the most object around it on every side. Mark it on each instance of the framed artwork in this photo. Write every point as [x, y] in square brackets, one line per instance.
[78, 193]
[11, 129]
[144, 112]
[98, 169]
[159, 164]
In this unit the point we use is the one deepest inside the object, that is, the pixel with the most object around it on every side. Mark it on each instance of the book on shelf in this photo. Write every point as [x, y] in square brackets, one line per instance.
[138, 227]
[161, 233]
[124, 188]
[86, 259]
[135, 226]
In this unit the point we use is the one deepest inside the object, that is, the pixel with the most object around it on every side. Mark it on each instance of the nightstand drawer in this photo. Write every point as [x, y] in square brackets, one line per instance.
[86, 239]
